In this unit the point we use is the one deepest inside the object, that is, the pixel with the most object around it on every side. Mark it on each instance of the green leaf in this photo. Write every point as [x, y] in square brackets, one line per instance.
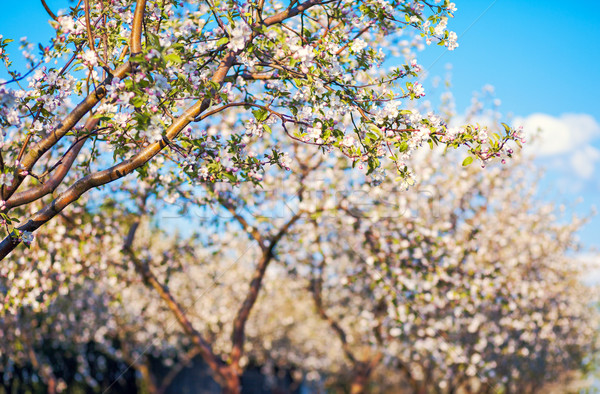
[137, 101]
[467, 161]
[153, 38]
[231, 177]
[260, 114]
[374, 129]
[372, 136]
[6, 218]
[102, 116]
[174, 58]
[222, 41]
[137, 58]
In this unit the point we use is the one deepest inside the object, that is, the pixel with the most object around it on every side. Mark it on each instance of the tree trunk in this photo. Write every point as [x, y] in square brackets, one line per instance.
[147, 380]
[361, 374]
[359, 383]
[229, 380]
[52, 385]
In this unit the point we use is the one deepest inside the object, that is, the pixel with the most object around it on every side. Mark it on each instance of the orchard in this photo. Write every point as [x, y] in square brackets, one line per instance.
[256, 185]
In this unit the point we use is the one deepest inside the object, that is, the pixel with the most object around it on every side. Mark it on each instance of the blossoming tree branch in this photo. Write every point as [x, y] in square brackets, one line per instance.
[148, 77]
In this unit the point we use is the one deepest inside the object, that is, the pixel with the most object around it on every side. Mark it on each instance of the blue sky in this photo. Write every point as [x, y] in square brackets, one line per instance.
[542, 57]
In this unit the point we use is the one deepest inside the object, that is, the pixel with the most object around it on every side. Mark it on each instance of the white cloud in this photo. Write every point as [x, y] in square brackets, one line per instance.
[590, 265]
[558, 135]
[584, 160]
[565, 140]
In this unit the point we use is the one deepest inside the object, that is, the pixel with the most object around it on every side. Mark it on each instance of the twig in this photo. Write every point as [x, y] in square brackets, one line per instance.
[48, 10]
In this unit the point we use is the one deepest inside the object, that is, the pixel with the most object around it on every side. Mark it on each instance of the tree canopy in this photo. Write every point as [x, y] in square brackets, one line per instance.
[150, 76]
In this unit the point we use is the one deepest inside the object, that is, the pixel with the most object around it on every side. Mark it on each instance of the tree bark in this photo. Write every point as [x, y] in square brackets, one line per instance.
[359, 383]
[230, 380]
[148, 380]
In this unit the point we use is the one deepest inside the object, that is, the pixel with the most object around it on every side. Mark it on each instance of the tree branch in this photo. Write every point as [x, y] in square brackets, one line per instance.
[176, 369]
[239, 324]
[231, 208]
[88, 25]
[48, 10]
[316, 289]
[204, 348]
[126, 167]
[57, 177]
[35, 152]
[291, 12]
[137, 26]
[82, 108]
